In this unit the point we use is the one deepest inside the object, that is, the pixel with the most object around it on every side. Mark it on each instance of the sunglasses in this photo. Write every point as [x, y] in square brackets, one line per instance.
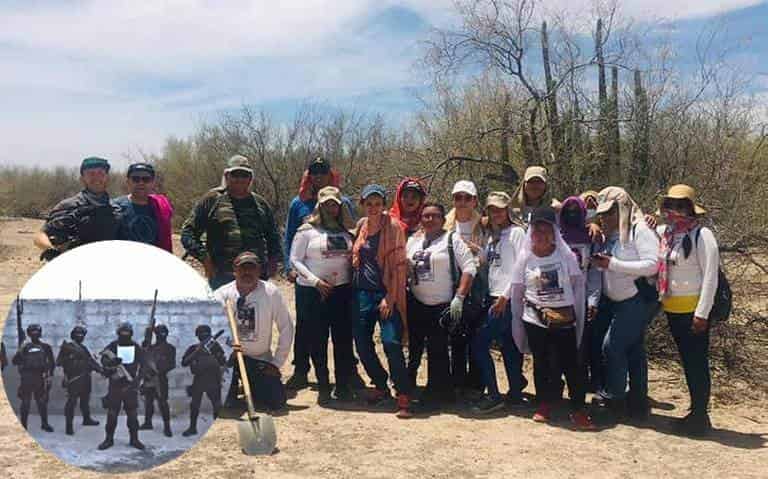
[460, 197]
[239, 174]
[142, 179]
[676, 204]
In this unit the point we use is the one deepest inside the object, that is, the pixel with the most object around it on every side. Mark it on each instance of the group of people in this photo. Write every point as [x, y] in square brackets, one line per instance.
[132, 370]
[573, 283]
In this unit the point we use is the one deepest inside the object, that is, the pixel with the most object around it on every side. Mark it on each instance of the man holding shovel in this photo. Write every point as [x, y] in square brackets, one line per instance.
[259, 306]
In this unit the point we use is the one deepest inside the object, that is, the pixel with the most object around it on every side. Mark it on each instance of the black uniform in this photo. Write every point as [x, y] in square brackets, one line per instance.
[77, 362]
[164, 356]
[123, 392]
[35, 361]
[206, 361]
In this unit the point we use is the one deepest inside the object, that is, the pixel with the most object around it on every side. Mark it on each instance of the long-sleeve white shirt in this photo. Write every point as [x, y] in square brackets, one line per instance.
[256, 314]
[431, 267]
[639, 257]
[501, 257]
[697, 274]
[320, 254]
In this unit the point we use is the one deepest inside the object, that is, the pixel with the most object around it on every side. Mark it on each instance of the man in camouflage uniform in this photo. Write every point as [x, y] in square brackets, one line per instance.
[35, 361]
[233, 219]
[77, 363]
[87, 217]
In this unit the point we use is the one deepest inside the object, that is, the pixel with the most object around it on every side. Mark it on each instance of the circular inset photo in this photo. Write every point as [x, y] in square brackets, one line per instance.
[116, 356]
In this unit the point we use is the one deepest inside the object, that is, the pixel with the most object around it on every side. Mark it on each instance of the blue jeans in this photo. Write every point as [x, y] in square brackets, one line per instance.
[499, 329]
[391, 336]
[694, 354]
[624, 349]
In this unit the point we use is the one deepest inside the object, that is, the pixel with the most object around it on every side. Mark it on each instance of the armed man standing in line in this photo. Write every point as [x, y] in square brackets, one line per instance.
[77, 363]
[123, 362]
[87, 217]
[164, 356]
[233, 219]
[35, 361]
[206, 361]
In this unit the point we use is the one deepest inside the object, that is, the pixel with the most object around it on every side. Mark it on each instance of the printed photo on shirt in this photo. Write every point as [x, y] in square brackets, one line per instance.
[549, 286]
[422, 266]
[246, 321]
[336, 245]
[494, 255]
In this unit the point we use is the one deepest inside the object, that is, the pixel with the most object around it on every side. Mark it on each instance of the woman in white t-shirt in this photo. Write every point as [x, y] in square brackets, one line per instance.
[546, 291]
[501, 252]
[432, 293]
[688, 280]
[321, 257]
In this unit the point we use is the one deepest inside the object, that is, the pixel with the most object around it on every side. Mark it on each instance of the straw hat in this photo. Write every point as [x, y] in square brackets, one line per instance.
[685, 192]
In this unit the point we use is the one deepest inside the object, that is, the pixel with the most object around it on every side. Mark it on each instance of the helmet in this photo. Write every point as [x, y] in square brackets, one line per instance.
[125, 326]
[202, 329]
[34, 327]
[78, 330]
[161, 329]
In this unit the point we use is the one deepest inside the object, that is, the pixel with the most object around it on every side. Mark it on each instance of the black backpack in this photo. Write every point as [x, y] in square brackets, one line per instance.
[723, 301]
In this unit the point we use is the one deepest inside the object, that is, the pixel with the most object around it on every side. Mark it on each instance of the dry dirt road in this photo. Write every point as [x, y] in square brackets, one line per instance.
[320, 442]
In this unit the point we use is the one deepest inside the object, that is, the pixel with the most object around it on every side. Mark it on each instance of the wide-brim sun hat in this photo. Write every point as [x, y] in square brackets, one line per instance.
[685, 192]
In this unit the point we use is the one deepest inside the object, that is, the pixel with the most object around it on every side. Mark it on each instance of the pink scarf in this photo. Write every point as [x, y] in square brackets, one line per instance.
[163, 212]
[676, 224]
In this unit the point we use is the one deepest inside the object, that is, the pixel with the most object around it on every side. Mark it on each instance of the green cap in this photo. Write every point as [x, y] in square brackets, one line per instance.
[94, 162]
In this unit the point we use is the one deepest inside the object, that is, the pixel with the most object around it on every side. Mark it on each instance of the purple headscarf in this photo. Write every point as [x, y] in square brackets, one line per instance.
[579, 233]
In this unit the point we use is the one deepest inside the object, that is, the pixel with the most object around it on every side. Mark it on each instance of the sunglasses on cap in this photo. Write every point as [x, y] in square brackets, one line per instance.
[239, 174]
[141, 179]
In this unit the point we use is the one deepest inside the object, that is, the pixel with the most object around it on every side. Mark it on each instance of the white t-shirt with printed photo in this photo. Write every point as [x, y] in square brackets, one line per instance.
[431, 271]
[501, 257]
[547, 284]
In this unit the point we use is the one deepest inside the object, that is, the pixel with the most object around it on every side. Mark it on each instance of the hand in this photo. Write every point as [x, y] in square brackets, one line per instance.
[118, 361]
[237, 348]
[699, 325]
[385, 310]
[473, 247]
[324, 288]
[498, 307]
[210, 268]
[291, 276]
[650, 220]
[457, 308]
[591, 313]
[49, 254]
[595, 233]
[600, 260]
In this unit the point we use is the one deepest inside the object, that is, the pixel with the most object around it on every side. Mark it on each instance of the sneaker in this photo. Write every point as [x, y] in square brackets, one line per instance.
[488, 405]
[404, 406]
[324, 395]
[378, 397]
[147, 426]
[515, 402]
[695, 424]
[543, 413]
[344, 394]
[297, 382]
[582, 421]
[46, 427]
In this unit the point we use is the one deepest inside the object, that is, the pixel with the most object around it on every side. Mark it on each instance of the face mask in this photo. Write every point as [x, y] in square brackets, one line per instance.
[571, 217]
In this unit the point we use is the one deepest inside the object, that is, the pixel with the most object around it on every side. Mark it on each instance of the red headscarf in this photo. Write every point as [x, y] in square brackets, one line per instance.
[307, 192]
[411, 221]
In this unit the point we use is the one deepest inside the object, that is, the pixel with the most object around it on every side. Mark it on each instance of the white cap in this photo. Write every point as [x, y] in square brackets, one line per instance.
[465, 186]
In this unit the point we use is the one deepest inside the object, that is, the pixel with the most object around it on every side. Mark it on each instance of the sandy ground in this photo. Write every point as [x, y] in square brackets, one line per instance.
[357, 442]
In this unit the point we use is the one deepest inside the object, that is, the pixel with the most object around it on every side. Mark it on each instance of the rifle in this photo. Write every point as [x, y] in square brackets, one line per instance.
[120, 372]
[19, 312]
[209, 344]
[151, 377]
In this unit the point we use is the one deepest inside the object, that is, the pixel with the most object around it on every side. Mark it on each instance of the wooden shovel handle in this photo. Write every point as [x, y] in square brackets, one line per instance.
[240, 360]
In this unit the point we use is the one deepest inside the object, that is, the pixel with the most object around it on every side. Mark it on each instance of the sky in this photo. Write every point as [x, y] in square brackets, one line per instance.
[116, 78]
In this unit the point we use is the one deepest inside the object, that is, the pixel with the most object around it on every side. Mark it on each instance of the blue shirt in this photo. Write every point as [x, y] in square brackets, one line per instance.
[297, 213]
[138, 222]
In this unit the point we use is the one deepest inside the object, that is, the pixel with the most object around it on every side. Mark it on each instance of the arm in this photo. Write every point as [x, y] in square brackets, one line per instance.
[51, 361]
[274, 248]
[284, 327]
[172, 364]
[189, 355]
[594, 286]
[42, 241]
[291, 225]
[16, 359]
[298, 253]
[193, 229]
[647, 246]
[708, 256]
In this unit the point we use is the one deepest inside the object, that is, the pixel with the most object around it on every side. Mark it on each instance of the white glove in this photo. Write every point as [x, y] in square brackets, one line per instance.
[457, 307]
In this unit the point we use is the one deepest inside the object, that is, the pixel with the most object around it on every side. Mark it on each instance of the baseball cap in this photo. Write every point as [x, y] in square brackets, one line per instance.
[373, 190]
[247, 257]
[238, 162]
[329, 193]
[141, 167]
[544, 214]
[535, 172]
[464, 186]
[319, 166]
[415, 186]
[499, 199]
[94, 162]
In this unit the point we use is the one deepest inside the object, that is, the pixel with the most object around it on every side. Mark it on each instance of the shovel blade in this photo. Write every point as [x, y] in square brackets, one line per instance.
[257, 435]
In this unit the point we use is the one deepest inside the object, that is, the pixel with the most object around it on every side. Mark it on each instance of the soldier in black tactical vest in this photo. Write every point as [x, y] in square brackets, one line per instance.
[164, 356]
[76, 361]
[35, 361]
[87, 217]
[206, 361]
[123, 362]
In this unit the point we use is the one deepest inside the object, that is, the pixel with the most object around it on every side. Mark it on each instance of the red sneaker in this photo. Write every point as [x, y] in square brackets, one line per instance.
[404, 407]
[582, 421]
[543, 413]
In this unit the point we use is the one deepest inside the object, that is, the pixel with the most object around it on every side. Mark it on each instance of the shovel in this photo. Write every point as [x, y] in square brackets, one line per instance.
[257, 436]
